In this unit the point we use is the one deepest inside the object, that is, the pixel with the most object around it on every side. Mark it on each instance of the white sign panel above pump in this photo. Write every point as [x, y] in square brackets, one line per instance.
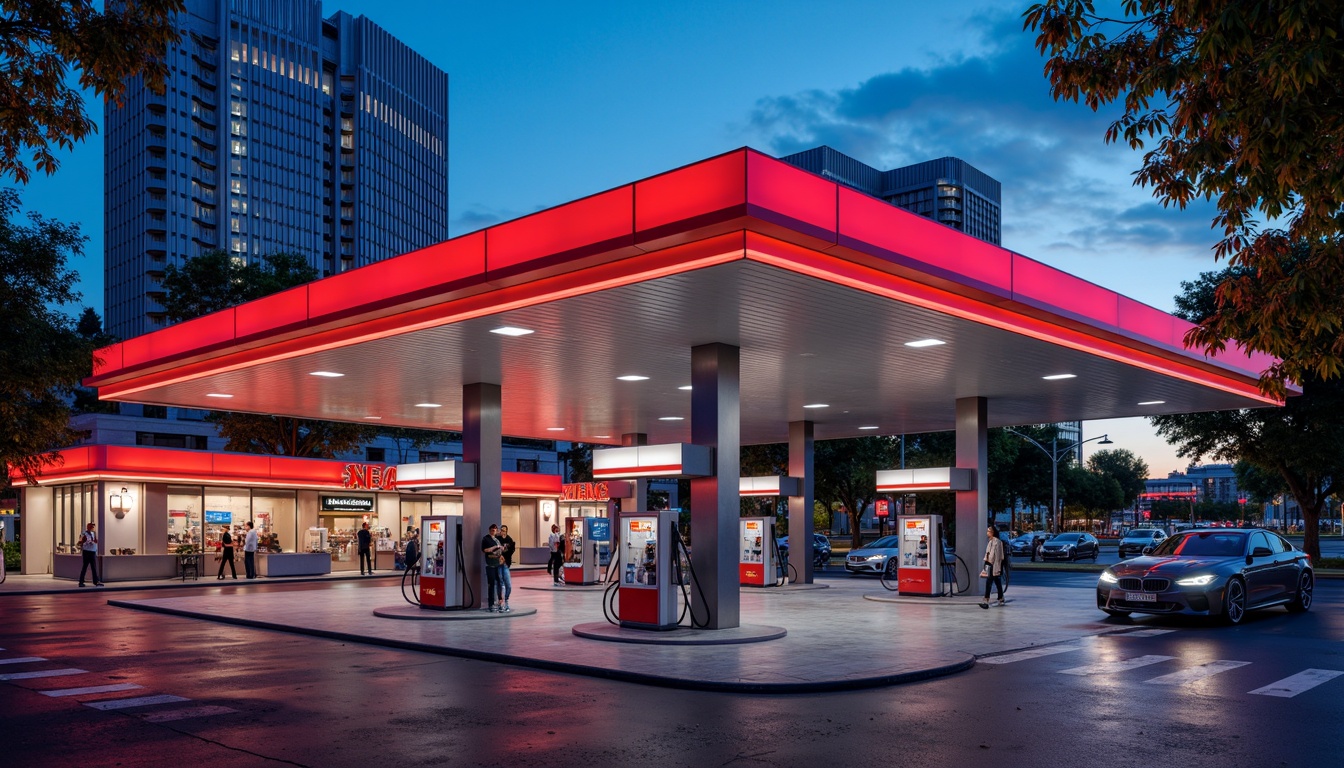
[771, 485]
[435, 475]
[931, 479]
[680, 460]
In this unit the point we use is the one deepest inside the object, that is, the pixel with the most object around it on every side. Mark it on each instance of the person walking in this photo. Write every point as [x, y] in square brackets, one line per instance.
[505, 570]
[88, 547]
[226, 556]
[365, 549]
[494, 557]
[555, 565]
[250, 551]
[993, 570]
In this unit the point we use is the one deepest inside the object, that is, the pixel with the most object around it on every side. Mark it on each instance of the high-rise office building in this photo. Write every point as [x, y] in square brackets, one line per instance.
[948, 190]
[280, 131]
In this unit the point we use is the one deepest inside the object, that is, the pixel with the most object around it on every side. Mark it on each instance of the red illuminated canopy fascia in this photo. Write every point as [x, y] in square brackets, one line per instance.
[685, 219]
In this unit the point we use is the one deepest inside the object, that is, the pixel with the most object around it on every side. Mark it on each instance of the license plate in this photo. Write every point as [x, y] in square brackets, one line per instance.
[1140, 597]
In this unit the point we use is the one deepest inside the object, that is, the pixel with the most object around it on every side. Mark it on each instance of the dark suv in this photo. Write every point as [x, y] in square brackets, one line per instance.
[821, 549]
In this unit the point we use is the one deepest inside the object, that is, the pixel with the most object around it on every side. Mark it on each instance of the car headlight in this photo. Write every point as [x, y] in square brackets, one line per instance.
[1196, 581]
[1109, 577]
[876, 557]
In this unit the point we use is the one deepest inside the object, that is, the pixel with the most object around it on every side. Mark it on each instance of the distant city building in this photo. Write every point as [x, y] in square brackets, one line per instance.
[1215, 483]
[281, 131]
[948, 190]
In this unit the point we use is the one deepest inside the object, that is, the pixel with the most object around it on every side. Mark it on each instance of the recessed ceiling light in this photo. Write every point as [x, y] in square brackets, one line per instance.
[633, 377]
[686, 388]
[509, 330]
[602, 437]
[327, 374]
[868, 427]
[807, 354]
[373, 418]
[670, 418]
[1058, 376]
[218, 394]
[817, 405]
[555, 429]
[925, 343]
[428, 405]
[1153, 402]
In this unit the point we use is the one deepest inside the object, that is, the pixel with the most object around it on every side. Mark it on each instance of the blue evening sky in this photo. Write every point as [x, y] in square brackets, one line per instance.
[554, 101]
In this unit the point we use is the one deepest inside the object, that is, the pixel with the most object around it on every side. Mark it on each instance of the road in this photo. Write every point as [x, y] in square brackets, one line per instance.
[1178, 692]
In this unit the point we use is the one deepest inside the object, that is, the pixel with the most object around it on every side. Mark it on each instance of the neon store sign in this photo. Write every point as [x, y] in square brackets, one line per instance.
[369, 477]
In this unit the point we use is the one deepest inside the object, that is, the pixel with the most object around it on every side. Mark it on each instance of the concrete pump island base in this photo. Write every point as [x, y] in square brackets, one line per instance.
[738, 300]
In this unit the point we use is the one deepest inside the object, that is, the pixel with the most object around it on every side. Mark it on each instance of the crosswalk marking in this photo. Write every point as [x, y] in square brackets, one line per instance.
[22, 660]
[1030, 653]
[182, 714]
[142, 701]
[1196, 674]
[1147, 633]
[42, 673]
[1302, 681]
[91, 689]
[1111, 667]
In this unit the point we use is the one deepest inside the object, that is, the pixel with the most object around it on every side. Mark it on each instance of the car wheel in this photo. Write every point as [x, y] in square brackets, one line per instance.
[891, 567]
[1234, 602]
[1116, 614]
[1302, 600]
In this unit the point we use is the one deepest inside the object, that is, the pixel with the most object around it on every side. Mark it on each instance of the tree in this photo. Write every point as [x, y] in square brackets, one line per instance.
[42, 355]
[215, 281]
[407, 439]
[1128, 471]
[1299, 442]
[1089, 492]
[41, 40]
[846, 474]
[1242, 99]
[90, 329]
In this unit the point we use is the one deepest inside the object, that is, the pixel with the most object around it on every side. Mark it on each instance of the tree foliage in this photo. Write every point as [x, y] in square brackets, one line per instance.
[846, 474]
[1299, 443]
[215, 281]
[42, 355]
[1127, 470]
[41, 41]
[90, 329]
[1238, 102]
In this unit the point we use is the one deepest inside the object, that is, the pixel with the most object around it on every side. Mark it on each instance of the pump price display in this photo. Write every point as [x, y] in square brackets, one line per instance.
[753, 541]
[641, 554]
[433, 561]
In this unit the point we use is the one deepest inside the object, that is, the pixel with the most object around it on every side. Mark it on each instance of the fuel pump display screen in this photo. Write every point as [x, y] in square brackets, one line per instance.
[434, 557]
[575, 537]
[753, 541]
[915, 544]
[641, 553]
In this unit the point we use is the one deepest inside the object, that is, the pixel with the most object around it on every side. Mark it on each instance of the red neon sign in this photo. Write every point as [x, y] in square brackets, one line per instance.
[585, 492]
[369, 477]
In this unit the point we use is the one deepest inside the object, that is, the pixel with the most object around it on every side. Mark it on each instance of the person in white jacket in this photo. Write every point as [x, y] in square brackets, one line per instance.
[993, 571]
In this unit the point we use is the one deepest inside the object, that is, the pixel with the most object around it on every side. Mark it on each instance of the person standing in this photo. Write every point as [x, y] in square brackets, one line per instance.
[365, 549]
[88, 547]
[506, 570]
[494, 557]
[555, 564]
[412, 554]
[993, 571]
[226, 556]
[250, 551]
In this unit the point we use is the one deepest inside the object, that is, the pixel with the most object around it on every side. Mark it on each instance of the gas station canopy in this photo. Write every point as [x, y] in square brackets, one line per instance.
[850, 313]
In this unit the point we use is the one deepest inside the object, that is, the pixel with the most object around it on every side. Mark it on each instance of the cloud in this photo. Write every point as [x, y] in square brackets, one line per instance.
[1064, 189]
[475, 218]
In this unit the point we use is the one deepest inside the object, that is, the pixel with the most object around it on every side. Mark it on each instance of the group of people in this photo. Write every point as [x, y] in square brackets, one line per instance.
[225, 556]
[498, 547]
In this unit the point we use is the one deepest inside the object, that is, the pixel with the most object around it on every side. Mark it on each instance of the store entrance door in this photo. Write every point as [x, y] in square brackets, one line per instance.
[341, 539]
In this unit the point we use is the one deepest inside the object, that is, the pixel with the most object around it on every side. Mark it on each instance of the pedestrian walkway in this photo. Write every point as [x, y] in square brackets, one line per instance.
[834, 638]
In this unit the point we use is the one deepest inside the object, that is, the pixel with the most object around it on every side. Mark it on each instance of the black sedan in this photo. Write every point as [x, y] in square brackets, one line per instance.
[1139, 539]
[1210, 573]
[1071, 546]
[821, 549]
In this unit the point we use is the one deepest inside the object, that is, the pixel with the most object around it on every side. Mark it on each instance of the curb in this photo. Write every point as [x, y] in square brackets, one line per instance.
[175, 584]
[713, 686]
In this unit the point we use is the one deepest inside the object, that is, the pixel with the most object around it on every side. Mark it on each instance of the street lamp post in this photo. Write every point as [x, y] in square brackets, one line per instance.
[1055, 452]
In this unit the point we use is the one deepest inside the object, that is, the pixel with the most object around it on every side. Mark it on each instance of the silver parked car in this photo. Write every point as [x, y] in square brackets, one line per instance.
[874, 557]
[1210, 573]
[1139, 539]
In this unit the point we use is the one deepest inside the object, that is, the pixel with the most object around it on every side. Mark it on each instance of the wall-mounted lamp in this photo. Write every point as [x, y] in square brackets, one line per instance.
[119, 503]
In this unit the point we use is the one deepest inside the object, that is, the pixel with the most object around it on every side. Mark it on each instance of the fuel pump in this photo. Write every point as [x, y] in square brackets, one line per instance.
[647, 592]
[921, 553]
[756, 565]
[587, 541]
[442, 571]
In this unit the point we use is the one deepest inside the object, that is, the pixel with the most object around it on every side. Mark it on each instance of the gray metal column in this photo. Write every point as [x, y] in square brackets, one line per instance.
[716, 422]
[641, 500]
[800, 507]
[973, 506]
[481, 506]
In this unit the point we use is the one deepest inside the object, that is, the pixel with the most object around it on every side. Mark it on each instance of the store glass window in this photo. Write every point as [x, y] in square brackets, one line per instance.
[184, 517]
[275, 513]
[413, 510]
[75, 508]
[226, 509]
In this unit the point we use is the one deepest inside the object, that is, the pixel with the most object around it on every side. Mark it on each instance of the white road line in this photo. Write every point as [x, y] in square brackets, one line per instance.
[1030, 653]
[142, 701]
[1195, 674]
[1146, 633]
[1111, 667]
[44, 673]
[1305, 680]
[91, 689]
[22, 660]
[182, 714]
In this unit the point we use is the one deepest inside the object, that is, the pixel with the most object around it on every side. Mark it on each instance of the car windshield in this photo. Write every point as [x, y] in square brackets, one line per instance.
[1203, 543]
[886, 542]
[1067, 538]
[1144, 534]
[1025, 537]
